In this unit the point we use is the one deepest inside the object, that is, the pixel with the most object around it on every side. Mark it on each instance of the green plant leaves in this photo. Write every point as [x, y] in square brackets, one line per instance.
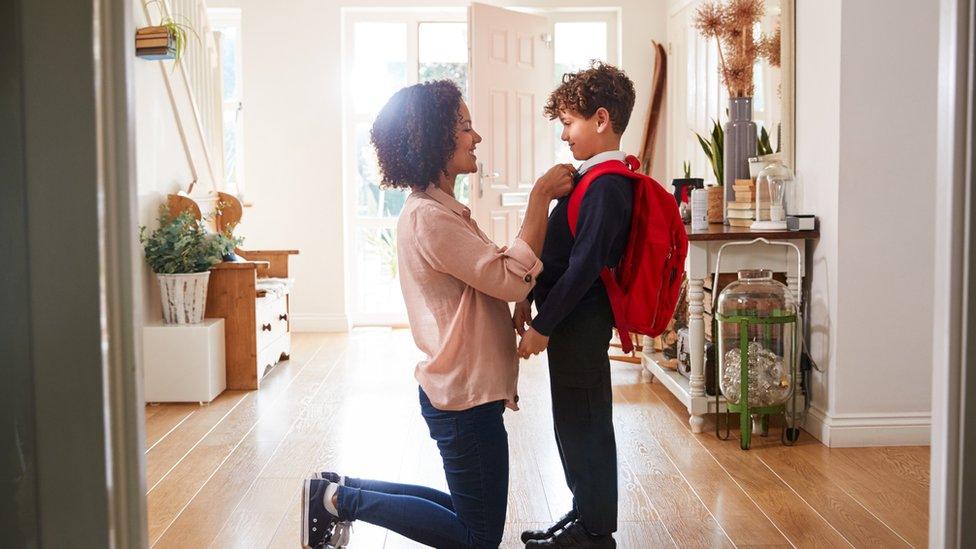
[182, 244]
[714, 150]
[763, 145]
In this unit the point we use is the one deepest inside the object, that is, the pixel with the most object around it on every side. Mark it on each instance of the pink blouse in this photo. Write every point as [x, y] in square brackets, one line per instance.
[457, 284]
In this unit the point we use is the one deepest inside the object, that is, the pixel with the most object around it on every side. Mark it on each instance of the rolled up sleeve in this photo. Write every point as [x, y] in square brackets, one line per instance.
[453, 247]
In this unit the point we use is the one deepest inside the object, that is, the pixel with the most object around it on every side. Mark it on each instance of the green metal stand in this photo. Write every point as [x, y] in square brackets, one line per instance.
[742, 408]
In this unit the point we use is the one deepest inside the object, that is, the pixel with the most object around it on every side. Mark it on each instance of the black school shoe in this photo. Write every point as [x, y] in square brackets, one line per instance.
[575, 535]
[528, 535]
[320, 528]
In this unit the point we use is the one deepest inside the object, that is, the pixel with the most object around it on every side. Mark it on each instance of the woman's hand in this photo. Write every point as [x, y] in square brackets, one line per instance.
[522, 316]
[556, 182]
[532, 343]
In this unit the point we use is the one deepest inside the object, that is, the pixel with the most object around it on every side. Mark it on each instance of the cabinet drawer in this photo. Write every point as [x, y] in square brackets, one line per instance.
[272, 354]
[271, 318]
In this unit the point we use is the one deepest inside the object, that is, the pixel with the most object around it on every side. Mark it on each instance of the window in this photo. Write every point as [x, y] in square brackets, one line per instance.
[578, 39]
[383, 53]
[226, 22]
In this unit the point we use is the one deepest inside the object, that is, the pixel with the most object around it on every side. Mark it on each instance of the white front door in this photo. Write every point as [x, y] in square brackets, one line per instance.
[511, 75]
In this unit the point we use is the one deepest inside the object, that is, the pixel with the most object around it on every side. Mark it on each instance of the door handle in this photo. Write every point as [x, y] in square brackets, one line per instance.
[484, 175]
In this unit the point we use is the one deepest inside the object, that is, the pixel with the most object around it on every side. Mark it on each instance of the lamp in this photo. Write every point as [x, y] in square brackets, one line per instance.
[772, 184]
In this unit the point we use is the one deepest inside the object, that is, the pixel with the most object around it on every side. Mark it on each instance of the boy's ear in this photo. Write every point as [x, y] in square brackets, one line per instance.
[603, 124]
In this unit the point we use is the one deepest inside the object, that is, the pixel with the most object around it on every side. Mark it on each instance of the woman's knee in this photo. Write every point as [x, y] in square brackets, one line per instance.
[486, 540]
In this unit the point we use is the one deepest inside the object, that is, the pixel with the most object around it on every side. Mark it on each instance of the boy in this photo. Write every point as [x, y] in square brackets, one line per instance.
[574, 318]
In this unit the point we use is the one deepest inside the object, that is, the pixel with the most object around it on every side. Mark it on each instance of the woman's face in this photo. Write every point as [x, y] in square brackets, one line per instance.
[466, 139]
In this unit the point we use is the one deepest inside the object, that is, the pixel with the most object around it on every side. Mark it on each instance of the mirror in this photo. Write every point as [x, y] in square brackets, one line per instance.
[773, 99]
[696, 96]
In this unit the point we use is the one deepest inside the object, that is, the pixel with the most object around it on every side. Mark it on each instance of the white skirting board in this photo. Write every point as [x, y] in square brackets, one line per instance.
[318, 322]
[854, 430]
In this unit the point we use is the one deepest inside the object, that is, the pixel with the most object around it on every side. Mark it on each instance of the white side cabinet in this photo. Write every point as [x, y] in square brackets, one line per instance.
[184, 362]
[703, 248]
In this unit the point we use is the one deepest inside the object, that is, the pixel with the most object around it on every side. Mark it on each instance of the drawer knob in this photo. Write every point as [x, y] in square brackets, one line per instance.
[266, 327]
[283, 317]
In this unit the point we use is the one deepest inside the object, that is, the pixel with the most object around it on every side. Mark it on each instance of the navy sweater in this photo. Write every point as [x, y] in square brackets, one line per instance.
[571, 267]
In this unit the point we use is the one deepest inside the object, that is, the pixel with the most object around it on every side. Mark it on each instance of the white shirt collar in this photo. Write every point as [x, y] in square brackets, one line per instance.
[601, 157]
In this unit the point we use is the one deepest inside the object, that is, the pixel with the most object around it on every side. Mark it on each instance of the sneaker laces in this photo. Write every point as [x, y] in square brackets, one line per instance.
[340, 535]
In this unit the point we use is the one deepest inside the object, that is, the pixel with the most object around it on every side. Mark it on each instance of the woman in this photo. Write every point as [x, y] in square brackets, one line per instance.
[456, 284]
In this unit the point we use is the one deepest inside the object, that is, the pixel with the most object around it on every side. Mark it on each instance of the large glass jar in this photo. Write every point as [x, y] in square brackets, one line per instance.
[757, 318]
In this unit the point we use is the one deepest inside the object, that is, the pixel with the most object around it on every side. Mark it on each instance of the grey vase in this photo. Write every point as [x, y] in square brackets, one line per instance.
[740, 146]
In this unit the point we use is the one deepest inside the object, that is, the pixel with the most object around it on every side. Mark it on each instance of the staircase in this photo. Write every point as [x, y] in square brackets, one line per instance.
[194, 86]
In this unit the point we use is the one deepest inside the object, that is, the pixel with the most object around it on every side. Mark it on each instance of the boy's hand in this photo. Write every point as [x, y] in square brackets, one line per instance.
[556, 182]
[532, 343]
[522, 316]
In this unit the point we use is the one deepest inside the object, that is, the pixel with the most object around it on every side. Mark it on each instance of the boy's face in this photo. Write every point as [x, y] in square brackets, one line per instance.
[585, 136]
[466, 139]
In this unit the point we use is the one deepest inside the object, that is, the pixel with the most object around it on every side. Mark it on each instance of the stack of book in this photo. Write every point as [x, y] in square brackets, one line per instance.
[742, 211]
[155, 43]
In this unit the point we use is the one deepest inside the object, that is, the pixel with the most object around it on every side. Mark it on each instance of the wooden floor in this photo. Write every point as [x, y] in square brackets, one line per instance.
[229, 474]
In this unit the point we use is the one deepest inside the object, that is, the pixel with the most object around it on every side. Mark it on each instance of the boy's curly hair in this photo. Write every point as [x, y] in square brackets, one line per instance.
[414, 134]
[585, 91]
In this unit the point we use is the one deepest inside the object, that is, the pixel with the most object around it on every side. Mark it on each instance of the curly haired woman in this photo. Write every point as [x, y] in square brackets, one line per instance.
[457, 285]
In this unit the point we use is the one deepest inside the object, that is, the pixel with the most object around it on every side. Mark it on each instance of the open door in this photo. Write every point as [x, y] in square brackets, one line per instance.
[511, 72]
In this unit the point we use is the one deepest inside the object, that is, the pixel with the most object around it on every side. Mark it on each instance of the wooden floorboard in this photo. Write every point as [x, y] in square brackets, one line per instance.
[187, 479]
[229, 474]
[161, 420]
[738, 516]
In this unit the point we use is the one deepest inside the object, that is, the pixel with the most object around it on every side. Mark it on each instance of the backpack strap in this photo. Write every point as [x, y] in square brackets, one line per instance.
[625, 168]
[614, 291]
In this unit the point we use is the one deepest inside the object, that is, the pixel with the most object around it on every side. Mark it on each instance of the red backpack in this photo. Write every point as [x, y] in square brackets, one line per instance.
[643, 288]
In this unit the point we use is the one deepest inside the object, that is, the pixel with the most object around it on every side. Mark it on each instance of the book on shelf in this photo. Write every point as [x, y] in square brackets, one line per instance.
[158, 29]
[152, 43]
[741, 214]
[742, 205]
[744, 197]
[156, 54]
[740, 222]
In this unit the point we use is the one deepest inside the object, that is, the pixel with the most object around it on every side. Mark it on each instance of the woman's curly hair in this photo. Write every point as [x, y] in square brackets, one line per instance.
[414, 134]
[584, 92]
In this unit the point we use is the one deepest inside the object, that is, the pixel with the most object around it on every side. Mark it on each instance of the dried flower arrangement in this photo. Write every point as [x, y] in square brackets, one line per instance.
[731, 25]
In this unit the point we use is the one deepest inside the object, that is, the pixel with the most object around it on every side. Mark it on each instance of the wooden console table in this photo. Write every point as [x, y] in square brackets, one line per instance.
[703, 249]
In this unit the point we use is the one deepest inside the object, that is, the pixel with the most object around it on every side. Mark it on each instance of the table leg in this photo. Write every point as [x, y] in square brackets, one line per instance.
[696, 331]
[647, 345]
[793, 283]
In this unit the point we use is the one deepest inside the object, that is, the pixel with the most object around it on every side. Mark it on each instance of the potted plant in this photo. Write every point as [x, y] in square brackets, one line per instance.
[714, 149]
[167, 40]
[683, 185]
[732, 26]
[181, 252]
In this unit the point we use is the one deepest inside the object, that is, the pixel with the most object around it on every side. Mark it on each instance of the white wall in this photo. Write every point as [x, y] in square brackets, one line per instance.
[817, 123]
[866, 105]
[292, 109]
[161, 164]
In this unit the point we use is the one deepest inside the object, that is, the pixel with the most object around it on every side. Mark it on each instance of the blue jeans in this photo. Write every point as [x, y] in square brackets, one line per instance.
[474, 447]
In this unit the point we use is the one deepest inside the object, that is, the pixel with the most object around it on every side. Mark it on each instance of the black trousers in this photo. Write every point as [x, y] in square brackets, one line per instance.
[582, 412]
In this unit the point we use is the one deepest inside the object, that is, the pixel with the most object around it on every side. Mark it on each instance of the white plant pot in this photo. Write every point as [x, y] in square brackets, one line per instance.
[183, 296]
